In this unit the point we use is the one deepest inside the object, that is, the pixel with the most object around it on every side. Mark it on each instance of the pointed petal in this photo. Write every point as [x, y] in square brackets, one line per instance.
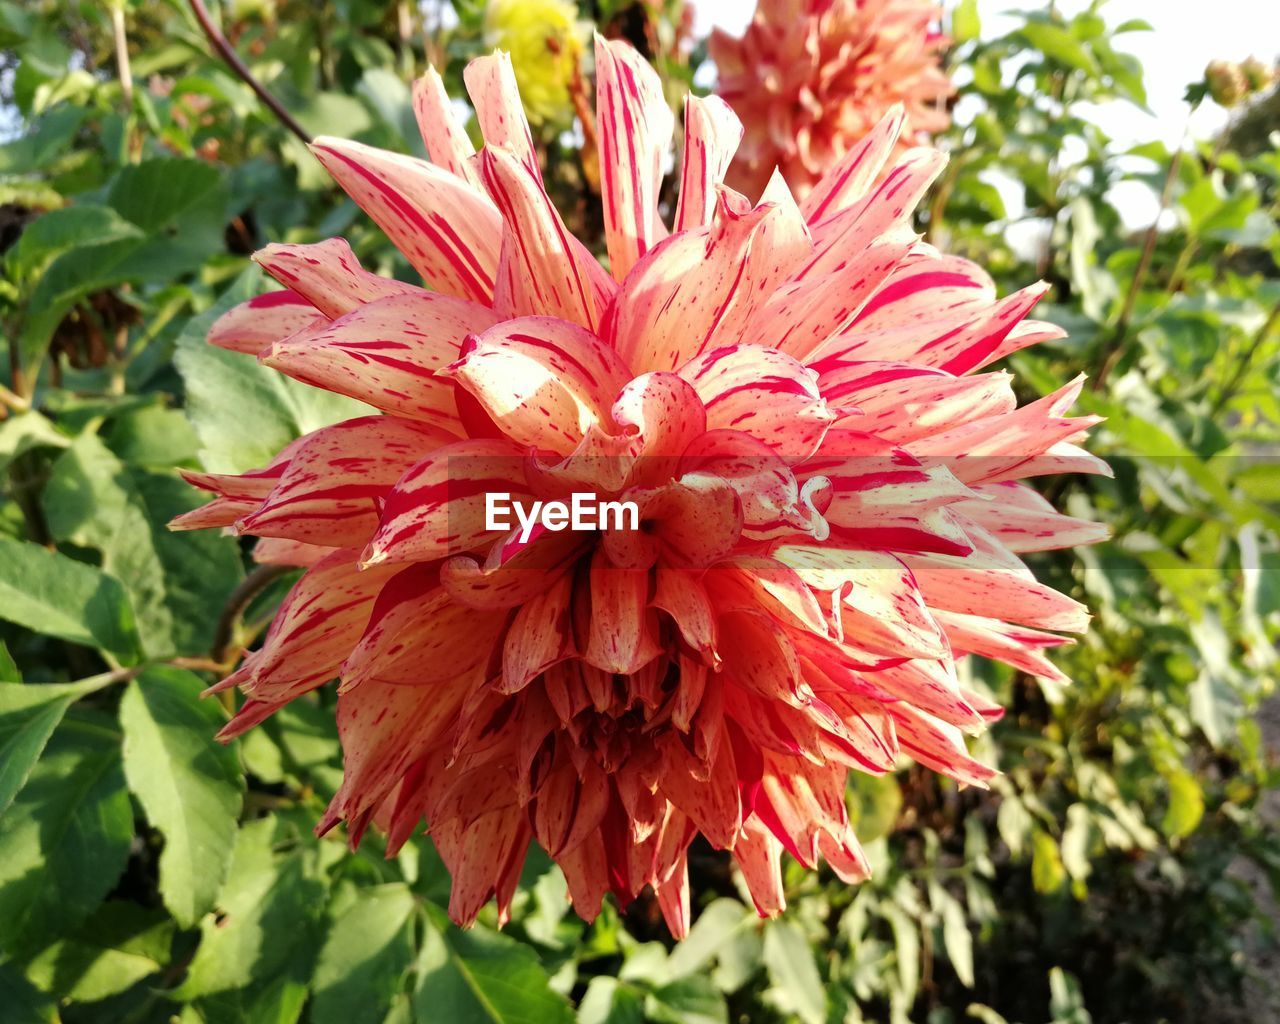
[634, 126]
[491, 84]
[442, 132]
[254, 325]
[849, 178]
[328, 275]
[387, 353]
[712, 132]
[448, 231]
[546, 270]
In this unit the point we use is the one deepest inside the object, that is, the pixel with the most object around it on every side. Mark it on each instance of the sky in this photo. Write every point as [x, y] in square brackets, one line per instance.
[1186, 35]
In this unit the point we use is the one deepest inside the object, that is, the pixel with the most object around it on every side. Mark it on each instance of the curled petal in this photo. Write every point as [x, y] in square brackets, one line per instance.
[712, 132]
[491, 84]
[328, 275]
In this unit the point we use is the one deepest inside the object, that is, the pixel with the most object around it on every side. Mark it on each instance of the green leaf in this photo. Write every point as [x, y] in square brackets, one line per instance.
[49, 593]
[28, 716]
[189, 785]
[796, 984]
[27, 431]
[94, 500]
[120, 945]
[21, 1000]
[367, 953]
[1186, 804]
[609, 1001]
[243, 412]
[727, 932]
[8, 668]
[956, 937]
[269, 925]
[692, 1000]
[72, 227]
[90, 502]
[482, 977]
[180, 204]
[1058, 43]
[1047, 872]
[965, 23]
[65, 839]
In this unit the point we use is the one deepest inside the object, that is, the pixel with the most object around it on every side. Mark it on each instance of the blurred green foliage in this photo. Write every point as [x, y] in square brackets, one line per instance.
[1117, 872]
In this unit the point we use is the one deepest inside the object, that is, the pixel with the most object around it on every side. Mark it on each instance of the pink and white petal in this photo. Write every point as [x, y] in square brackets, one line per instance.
[254, 325]
[491, 84]
[688, 523]
[543, 381]
[662, 416]
[927, 289]
[758, 855]
[316, 627]
[1018, 646]
[764, 393]
[977, 586]
[805, 312]
[681, 595]
[634, 127]
[332, 491]
[712, 132]
[417, 635]
[547, 271]
[1024, 521]
[328, 275]
[700, 289]
[449, 232]
[622, 635]
[766, 486]
[387, 353]
[438, 508]
[760, 584]
[540, 636]
[442, 132]
[514, 571]
[274, 551]
[849, 178]
[877, 602]
[938, 746]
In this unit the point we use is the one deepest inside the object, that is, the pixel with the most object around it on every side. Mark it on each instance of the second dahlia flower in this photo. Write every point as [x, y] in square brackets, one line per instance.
[793, 395]
[810, 78]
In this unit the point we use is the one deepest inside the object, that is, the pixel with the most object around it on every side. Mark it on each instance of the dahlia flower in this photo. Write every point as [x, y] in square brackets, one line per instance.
[830, 499]
[810, 78]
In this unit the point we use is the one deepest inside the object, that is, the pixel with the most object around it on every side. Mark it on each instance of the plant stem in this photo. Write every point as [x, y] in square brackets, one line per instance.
[122, 54]
[250, 587]
[232, 59]
[1242, 367]
[1139, 273]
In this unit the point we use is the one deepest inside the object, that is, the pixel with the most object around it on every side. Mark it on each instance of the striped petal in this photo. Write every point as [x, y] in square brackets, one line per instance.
[328, 275]
[712, 132]
[387, 353]
[491, 84]
[442, 132]
[449, 232]
[255, 325]
[634, 127]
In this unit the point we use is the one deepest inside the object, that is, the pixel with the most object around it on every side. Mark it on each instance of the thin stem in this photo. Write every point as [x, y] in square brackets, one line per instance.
[1139, 273]
[250, 587]
[122, 54]
[1242, 367]
[232, 59]
[13, 401]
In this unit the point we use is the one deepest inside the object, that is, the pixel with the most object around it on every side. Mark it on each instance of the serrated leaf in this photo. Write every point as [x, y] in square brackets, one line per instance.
[82, 225]
[369, 948]
[482, 977]
[692, 1000]
[243, 412]
[49, 593]
[267, 931]
[28, 716]
[189, 785]
[120, 945]
[796, 984]
[23, 1000]
[65, 839]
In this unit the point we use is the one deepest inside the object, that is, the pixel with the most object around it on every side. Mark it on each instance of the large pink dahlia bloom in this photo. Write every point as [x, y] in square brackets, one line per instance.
[810, 78]
[830, 500]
